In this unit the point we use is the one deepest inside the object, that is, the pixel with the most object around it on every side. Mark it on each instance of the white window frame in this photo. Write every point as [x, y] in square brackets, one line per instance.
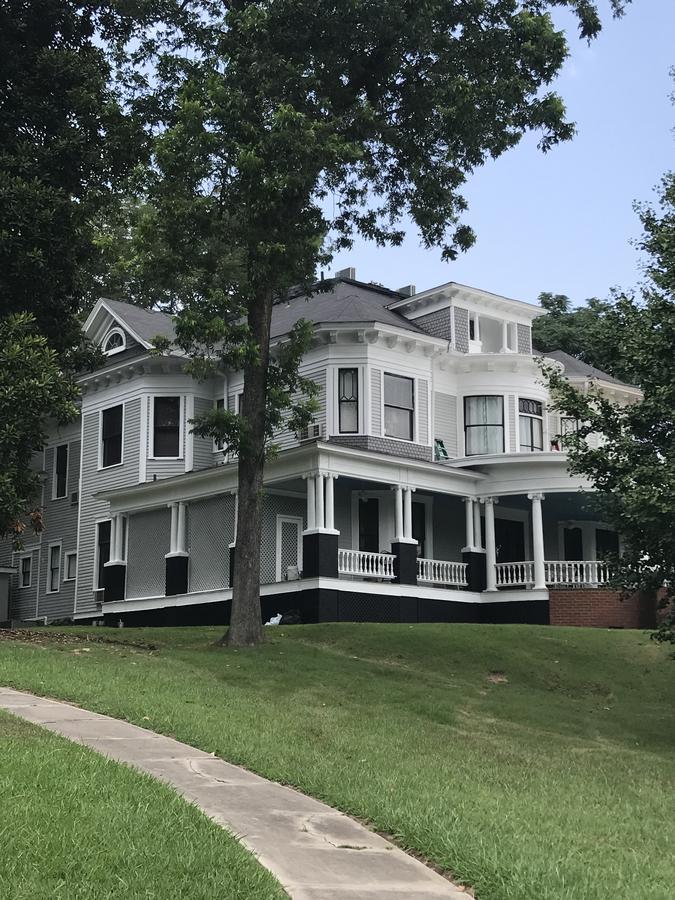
[359, 399]
[281, 520]
[181, 426]
[415, 407]
[20, 559]
[56, 496]
[505, 423]
[66, 557]
[50, 548]
[333, 406]
[109, 334]
[101, 467]
[97, 523]
[542, 417]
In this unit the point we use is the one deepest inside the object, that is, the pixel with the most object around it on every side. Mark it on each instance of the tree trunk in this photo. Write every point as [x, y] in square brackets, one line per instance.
[246, 620]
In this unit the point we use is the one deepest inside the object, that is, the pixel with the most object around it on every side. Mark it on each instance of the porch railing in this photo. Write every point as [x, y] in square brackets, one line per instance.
[438, 571]
[577, 572]
[514, 573]
[364, 564]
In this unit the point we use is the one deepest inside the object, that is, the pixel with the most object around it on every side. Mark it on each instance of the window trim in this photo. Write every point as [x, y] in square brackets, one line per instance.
[20, 558]
[101, 467]
[109, 334]
[48, 587]
[413, 410]
[531, 416]
[466, 397]
[66, 556]
[356, 371]
[56, 496]
[97, 525]
[181, 427]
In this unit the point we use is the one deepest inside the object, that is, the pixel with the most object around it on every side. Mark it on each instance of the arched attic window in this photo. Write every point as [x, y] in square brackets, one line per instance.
[114, 342]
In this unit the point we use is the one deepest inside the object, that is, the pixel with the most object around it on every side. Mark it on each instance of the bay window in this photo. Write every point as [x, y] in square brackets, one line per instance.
[348, 401]
[531, 425]
[399, 407]
[483, 425]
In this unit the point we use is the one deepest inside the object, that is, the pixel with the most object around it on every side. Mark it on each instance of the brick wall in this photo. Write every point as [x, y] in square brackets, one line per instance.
[598, 608]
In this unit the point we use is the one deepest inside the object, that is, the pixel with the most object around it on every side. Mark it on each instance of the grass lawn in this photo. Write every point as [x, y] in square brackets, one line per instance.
[532, 763]
[75, 825]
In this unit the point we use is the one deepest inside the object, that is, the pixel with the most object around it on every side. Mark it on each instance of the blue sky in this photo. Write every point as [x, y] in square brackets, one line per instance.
[563, 221]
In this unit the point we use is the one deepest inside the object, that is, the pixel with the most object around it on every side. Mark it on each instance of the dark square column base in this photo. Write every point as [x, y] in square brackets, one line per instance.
[405, 564]
[319, 555]
[176, 575]
[476, 570]
[232, 549]
[114, 580]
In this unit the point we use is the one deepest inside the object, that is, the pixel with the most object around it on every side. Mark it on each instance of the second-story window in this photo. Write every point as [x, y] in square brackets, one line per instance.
[348, 401]
[530, 424]
[483, 425]
[111, 436]
[166, 427]
[399, 407]
[60, 486]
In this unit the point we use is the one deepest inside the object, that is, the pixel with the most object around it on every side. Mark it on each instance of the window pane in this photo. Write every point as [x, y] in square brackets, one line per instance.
[398, 423]
[483, 410]
[398, 391]
[167, 412]
[61, 470]
[348, 388]
[537, 434]
[111, 431]
[481, 439]
[167, 426]
[349, 417]
[524, 431]
[531, 407]
[71, 565]
[54, 568]
[25, 571]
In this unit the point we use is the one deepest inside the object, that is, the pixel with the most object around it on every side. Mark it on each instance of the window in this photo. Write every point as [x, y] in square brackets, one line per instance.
[70, 567]
[567, 426]
[111, 436]
[483, 425]
[114, 342]
[25, 571]
[219, 445]
[166, 427]
[54, 568]
[348, 401]
[531, 425]
[102, 552]
[399, 407]
[60, 483]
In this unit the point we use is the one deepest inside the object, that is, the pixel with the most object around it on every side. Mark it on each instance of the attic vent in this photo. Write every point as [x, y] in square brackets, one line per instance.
[408, 290]
[346, 273]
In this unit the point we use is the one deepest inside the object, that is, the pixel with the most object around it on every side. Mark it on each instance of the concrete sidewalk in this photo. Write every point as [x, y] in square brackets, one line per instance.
[315, 852]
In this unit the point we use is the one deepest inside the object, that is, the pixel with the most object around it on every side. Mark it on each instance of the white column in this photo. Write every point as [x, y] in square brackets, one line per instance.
[505, 336]
[113, 538]
[477, 536]
[490, 545]
[174, 527]
[538, 541]
[181, 540]
[330, 503]
[399, 512]
[407, 513]
[320, 515]
[311, 503]
[119, 538]
[468, 511]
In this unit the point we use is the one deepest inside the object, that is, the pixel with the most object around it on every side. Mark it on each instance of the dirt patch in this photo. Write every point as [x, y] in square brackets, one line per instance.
[61, 638]
[497, 678]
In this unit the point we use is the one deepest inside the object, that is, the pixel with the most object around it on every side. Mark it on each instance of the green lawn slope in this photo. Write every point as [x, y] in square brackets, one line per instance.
[532, 763]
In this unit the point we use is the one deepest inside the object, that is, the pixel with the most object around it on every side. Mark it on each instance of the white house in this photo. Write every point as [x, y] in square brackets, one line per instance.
[432, 485]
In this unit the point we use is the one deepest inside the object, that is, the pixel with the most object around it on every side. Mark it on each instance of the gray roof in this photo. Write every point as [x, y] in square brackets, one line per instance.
[578, 369]
[146, 323]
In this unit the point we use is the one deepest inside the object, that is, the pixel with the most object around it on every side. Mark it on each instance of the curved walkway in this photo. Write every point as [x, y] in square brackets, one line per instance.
[314, 851]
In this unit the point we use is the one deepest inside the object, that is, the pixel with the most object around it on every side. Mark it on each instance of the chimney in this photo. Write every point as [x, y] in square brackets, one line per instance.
[347, 273]
[408, 290]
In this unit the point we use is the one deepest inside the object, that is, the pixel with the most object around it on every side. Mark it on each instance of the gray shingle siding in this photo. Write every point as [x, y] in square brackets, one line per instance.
[524, 339]
[93, 481]
[445, 421]
[284, 437]
[438, 324]
[461, 329]
[388, 446]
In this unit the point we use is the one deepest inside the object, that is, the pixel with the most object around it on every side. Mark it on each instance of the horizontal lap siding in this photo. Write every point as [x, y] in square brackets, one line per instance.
[203, 456]
[422, 401]
[445, 421]
[23, 601]
[285, 438]
[94, 480]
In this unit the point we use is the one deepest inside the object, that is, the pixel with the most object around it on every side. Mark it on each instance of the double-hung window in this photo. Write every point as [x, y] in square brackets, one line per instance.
[483, 425]
[348, 401]
[70, 567]
[25, 571]
[530, 424]
[111, 436]
[166, 427]
[567, 426]
[54, 568]
[60, 483]
[102, 552]
[399, 407]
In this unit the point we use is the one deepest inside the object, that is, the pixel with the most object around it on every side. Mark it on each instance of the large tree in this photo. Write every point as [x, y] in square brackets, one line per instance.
[284, 128]
[65, 143]
[633, 470]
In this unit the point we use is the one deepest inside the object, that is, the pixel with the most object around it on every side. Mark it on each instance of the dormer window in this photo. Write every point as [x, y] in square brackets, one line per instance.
[115, 341]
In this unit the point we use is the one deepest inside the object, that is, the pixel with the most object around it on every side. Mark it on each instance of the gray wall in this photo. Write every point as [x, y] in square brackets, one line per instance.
[445, 420]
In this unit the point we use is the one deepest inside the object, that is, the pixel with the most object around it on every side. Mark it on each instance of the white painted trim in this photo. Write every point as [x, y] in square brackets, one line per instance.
[167, 394]
[281, 520]
[101, 467]
[55, 448]
[25, 554]
[106, 337]
[101, 304]
[65, 579]
[48, 585]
